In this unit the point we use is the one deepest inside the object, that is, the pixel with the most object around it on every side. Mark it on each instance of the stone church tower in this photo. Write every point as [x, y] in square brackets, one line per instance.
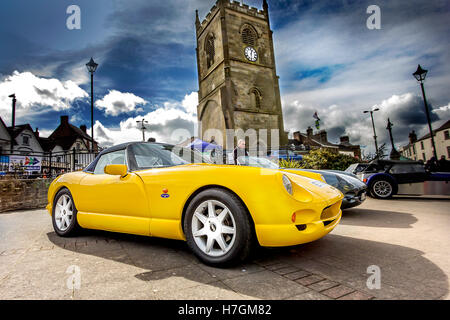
[238, 83]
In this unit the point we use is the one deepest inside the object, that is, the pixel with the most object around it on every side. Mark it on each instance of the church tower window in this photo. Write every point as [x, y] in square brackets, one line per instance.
[210, 50]
[256, 97]
[249, 36]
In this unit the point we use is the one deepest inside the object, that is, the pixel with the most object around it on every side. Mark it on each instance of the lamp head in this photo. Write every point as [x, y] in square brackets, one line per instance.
[420, 73]
[91, 66]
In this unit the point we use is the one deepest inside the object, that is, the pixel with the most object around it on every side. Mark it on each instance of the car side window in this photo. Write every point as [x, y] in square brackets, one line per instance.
[116, 157]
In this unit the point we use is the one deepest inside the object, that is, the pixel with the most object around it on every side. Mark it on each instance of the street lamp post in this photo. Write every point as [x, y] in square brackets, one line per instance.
[143, 128]
[395, 155]
[92, 66]
[374, 132]
[420, 75]
[13, 119]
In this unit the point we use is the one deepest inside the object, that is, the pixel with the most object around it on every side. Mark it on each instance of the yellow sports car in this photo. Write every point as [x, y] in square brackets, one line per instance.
[220, 210]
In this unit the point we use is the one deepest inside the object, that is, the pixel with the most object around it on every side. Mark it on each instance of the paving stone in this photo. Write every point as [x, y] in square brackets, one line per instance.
[277, 266]
[213, 291]
[286, 270]
[338, 291]
[310, 295]
[306, 281]
[323, 285]
[229, 273]
[297, 275]
[265, 285]
[357, 295]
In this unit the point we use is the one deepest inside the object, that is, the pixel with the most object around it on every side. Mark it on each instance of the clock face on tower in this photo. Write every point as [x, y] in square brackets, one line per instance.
[251, 54]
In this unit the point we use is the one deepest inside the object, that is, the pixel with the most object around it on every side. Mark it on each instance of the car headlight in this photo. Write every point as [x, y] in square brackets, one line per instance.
[287, 184]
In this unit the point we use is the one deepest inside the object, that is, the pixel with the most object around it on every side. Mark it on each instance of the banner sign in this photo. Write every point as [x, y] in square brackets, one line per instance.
[26, 163]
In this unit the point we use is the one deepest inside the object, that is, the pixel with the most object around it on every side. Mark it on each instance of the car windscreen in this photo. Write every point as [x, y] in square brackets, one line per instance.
[146, 156]
[257, 162]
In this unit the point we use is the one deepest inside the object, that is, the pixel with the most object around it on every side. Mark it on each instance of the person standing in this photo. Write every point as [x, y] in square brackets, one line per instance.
[240, 151]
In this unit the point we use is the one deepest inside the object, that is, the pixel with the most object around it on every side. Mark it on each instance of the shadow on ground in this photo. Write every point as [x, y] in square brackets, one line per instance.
[405, 272]
[377, 218]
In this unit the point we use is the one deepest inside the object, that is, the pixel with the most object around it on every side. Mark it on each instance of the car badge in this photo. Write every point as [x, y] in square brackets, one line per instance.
[165, 194]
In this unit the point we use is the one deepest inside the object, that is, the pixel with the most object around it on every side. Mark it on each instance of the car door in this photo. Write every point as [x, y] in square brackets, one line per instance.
[408, 173]
[113, 203]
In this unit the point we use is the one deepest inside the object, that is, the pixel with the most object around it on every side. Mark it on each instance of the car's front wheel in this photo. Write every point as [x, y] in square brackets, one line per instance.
[64, 215]
[217, 227]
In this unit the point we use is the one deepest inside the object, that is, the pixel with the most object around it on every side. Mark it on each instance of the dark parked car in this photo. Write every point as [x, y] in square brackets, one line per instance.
[385, 178]
[356, 168]
[353, 189]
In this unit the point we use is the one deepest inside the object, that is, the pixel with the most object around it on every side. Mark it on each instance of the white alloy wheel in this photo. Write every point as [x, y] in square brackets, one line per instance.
[63, 212]
[213, 228]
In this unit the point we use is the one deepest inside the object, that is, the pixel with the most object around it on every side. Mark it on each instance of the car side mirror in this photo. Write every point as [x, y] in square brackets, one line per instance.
[116, 170]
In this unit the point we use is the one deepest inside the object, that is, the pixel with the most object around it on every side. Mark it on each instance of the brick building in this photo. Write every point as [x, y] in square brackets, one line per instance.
[319, 140]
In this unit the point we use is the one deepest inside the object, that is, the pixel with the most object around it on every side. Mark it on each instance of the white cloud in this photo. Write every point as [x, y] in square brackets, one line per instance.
[116, 102]
[162, 124]
[35, 94]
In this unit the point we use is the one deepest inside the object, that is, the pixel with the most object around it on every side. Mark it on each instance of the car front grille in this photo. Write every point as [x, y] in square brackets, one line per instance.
[331, 212]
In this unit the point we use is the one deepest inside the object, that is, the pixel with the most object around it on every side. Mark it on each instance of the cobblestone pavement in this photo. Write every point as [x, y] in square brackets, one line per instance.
[407, 238]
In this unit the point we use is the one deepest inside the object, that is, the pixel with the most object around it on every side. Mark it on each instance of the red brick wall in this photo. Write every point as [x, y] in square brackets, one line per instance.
[23, 194]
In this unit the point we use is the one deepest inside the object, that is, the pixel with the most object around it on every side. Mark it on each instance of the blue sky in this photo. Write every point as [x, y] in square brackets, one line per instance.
[327, 59]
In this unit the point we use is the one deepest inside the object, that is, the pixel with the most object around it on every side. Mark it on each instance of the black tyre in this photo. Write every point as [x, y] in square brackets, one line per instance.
[383, 188]
[64, 214]
[218, 229]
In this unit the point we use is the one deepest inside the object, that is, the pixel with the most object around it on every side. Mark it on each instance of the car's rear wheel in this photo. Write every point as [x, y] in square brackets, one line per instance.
[64, 215]
[382, 188]
[217, 227]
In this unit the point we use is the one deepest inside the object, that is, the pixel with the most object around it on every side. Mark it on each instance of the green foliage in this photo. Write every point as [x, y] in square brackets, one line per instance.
[324, 159]
[283, 163]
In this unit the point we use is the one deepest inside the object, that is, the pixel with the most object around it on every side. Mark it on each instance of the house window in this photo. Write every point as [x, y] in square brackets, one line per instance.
[421, 145]
[78, 146]
[448, 152]
[447, 134]
[210, 51]
[25, 140]
[249, 36]
[423, 157]
[414, 148]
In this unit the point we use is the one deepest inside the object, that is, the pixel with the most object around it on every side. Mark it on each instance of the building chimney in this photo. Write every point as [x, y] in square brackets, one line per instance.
[412, 137]
[309, 132]
[83, 128]
[64, 119]
[323, 136]
[345, 139]
[37, 132]
[297, 136]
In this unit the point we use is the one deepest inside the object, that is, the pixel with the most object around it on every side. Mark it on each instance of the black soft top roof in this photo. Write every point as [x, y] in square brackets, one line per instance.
[392, 162]
[125, 145]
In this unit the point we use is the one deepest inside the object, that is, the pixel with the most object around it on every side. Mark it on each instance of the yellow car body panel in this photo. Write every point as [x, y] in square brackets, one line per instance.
[308, 174]
[152, 202]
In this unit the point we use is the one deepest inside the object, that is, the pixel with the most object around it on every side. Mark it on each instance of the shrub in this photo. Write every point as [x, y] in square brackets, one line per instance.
[324, 159]
[283, 163]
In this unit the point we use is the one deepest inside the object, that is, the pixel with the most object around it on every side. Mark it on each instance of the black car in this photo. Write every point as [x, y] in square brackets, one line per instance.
[385, 178]
[354, 190]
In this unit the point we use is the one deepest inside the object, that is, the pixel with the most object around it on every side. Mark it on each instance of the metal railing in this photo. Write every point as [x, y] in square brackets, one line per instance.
[43, 164]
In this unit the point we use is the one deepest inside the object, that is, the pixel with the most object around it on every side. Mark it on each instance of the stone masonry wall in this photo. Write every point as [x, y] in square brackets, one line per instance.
[23, 194]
